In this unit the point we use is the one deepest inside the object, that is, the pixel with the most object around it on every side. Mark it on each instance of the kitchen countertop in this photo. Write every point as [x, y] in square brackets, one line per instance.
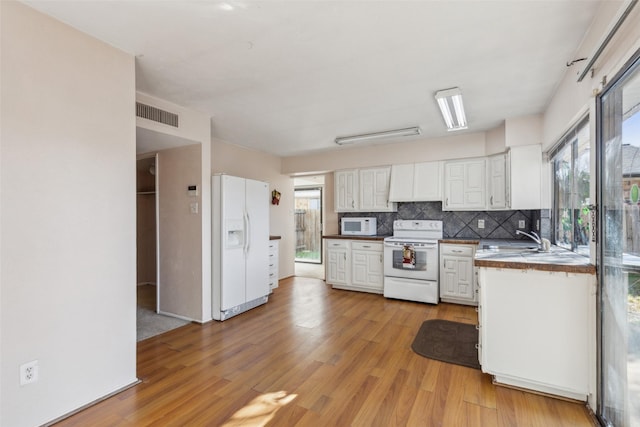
[523, 255]
[344, 236]
[459, 241]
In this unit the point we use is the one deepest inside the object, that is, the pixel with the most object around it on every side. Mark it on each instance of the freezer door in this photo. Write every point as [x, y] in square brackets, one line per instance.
[232, 292]
[257, 249]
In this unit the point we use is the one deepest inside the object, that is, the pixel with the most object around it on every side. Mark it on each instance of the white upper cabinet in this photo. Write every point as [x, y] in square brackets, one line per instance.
[416, 182]
[363, 190]
[465, 187]
[374, 190]
[526, 175]
[498, 180]
[346, 190]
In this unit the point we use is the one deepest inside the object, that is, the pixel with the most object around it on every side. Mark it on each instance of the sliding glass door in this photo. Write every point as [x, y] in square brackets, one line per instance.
[619, 249]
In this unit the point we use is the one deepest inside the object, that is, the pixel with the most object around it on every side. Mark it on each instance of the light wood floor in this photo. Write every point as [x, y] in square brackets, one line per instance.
[314, 356]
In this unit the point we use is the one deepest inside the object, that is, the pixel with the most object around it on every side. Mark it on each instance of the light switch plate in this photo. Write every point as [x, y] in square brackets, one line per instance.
[481, 223]
[193, 207]
[521, 223]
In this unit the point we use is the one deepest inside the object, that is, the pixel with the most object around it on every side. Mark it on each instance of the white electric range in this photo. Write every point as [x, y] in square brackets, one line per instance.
[411, 260]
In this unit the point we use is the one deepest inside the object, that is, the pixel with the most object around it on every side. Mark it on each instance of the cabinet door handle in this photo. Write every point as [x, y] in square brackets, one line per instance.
[457, 251]
[381, 259]
[446, 203]
[491, 200]
[366, 246]
[353, 203]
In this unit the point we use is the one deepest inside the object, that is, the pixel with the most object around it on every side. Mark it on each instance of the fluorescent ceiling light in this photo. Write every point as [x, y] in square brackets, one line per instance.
[342, 140]
[450, 103]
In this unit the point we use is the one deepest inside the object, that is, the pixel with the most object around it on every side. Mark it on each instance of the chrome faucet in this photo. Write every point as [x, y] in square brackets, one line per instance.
[533, 236]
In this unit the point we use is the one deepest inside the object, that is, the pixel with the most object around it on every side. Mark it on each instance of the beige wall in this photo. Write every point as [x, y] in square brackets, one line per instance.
[495, 140]
[573, 100]
[180, 281]
[330, 218]
[67, 177]
[424, 150]
[234, 160]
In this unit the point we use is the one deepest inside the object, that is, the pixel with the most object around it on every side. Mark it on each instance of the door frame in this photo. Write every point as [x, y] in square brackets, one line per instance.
[600, 151]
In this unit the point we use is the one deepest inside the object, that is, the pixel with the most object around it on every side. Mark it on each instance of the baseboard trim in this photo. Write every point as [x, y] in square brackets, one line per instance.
[90, 404]
[177, 316]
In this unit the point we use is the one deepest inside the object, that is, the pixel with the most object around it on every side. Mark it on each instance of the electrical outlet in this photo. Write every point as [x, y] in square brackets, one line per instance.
[29, 372]
[521, 223]
[538, 224]
[481, 223]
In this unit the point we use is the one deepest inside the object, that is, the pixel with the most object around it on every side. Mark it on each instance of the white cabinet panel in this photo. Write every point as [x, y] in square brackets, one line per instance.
[401, 183]
[526, 177]
[346, 190]
[338, 260]
[465, 185]
[274, 259]
[374, 190]
[416, 182]
[428, 181]
[498, 179]
[535, 329]
[367, 266]
[457, 274]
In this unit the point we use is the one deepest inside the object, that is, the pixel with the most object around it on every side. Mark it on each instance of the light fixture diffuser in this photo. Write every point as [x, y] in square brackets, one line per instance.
[342, 140]
[452, 109]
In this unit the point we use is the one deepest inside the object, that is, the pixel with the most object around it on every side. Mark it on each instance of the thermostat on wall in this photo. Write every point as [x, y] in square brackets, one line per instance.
[192, 190]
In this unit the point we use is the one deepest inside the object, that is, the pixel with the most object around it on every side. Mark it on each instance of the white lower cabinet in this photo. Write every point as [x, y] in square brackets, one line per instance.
[366, 266]
[355, 265]
[338, 259]
[537, 330]
[457, 274]
[274, 259]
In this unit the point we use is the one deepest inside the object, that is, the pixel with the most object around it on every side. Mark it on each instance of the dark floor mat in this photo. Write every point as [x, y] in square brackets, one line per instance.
[448, 341]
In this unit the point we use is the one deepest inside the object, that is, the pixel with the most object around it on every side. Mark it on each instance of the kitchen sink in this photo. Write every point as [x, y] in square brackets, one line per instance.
[516, 249]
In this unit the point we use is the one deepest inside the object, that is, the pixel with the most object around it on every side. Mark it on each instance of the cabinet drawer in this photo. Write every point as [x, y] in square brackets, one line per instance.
[337, 244]
[366, 246]
[456, 250]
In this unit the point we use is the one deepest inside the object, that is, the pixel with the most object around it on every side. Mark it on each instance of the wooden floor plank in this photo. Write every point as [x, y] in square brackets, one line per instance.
[315, 356]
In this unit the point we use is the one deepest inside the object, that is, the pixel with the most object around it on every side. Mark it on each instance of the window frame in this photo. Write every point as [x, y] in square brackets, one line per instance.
[571, 141]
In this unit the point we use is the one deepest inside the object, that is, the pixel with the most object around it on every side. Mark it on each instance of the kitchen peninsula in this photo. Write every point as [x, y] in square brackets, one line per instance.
[536, 318]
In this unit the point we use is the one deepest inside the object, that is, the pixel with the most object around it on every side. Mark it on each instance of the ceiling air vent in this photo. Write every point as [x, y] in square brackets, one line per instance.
[157, 115]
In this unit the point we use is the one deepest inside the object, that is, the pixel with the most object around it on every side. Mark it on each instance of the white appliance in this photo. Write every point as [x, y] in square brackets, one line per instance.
[359, 226]
[240, 229]
[411, 261]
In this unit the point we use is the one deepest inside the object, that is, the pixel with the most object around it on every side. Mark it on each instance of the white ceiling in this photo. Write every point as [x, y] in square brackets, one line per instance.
[287, 77]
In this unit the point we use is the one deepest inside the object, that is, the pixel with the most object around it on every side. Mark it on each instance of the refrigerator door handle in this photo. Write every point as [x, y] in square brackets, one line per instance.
[248, 233]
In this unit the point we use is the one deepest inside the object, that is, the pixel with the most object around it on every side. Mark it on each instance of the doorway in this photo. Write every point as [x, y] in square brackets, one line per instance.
[308, 196]
[147, 233]
[618, 125]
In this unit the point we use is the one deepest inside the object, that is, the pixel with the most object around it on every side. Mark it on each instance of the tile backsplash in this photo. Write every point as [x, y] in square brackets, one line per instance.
[497, 224]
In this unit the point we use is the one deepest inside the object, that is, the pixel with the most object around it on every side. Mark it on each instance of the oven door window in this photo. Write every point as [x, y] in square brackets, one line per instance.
[421, 260]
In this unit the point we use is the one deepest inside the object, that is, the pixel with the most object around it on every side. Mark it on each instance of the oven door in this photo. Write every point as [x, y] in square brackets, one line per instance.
[426, 261]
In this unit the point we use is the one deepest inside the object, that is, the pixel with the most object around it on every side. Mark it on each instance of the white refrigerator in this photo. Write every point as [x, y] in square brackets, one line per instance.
[240, 230]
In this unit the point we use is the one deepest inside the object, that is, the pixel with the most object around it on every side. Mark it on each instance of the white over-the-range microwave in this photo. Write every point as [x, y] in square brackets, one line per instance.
[359, 226]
